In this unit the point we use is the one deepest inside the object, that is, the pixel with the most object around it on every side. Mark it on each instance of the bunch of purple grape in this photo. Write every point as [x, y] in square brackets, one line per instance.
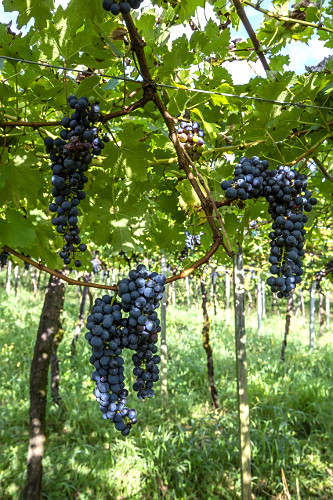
[4, 258]
[110, 332]
[191, 135]
[191, 242]
[250, 178]
[121, 6]
[71, 154]
[286, 191]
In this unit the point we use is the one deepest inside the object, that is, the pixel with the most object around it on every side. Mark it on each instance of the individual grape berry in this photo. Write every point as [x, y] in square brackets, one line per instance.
[231, 193]
[115, 9]
[124, 8]
[48, 141]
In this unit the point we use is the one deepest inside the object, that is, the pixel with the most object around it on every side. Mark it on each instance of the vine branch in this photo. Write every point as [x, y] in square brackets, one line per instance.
[20, 123]
[202, 182]
[183, 274]
[247, 25]
[137, 46]
[285, 18]
[310, 151]
[59, 275]
[322, 168]
[147, 96]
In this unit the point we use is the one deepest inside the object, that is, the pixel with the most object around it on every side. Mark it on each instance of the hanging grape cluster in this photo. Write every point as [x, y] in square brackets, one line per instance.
[71, 154]
[191, 135]
[329, 267]
[110, 332]
[121, 6]
[4, 258]
[191, 242]
[324, 273]
[250, 178]
[286, 192]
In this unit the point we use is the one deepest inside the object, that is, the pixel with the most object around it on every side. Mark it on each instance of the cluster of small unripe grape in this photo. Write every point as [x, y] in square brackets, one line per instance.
[191, 135]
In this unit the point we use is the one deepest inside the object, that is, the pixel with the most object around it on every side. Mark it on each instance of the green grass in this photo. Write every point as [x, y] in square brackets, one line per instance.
[192, 451]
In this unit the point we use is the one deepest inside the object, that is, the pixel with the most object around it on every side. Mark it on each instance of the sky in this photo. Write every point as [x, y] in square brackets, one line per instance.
[300, 55]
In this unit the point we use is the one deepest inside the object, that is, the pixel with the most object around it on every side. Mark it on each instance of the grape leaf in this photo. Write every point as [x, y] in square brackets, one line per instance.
[40, 10]
[15, 230]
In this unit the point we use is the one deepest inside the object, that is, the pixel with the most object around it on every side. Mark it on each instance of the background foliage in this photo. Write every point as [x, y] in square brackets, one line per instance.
[137, 195]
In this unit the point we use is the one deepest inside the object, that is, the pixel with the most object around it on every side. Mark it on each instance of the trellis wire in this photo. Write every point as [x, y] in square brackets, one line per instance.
[162, 85]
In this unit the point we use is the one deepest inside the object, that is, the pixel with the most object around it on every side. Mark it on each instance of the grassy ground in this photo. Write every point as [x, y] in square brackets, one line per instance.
[191, 452]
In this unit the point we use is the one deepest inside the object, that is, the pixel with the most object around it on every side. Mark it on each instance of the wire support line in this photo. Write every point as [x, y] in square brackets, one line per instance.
[253, 98]
[173, 87]
[92, 73]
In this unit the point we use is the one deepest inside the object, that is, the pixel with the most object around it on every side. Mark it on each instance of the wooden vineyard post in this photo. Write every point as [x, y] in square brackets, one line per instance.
[287, 325]
[16, 277]
[275, 302]
[243, 403]
[164, 347]
[259, 304]
[187, 291]
[301, 298]
[80, 321]
[327, 309]
[196, 294]
[321, 312]
[312, 313]
[9, 272]
[227, 293]
[206, 344]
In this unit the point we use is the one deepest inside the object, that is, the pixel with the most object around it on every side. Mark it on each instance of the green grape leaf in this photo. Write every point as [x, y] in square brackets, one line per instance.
[40, 10]
[15, 230]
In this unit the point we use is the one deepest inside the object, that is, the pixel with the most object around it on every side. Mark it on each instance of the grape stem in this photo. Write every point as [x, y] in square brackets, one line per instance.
[183, 274]
[206, 200]
[311, 150]
[59, 275]
[247, 25]
[202, 182]
[138, 45]
[287, 19]
[111, 133]
[322, 168]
